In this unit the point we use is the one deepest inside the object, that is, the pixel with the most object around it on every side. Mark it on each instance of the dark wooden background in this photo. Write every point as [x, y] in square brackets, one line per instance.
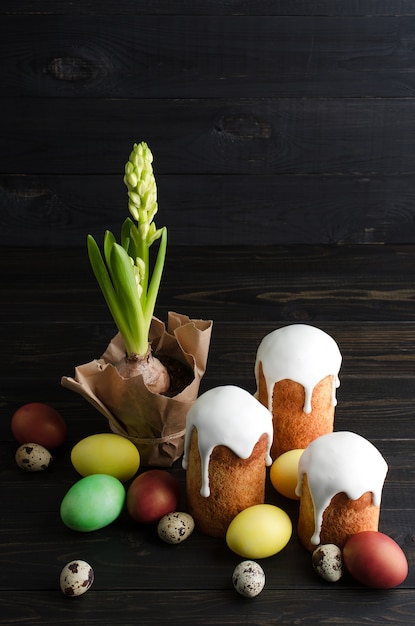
[271, 122]
[274, 124]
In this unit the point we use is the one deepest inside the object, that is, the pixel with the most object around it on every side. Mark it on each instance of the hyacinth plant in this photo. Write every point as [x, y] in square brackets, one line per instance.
[129, 285]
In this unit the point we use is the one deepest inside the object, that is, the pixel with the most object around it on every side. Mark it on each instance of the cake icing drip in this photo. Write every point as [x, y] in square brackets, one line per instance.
[301, 353]
[227, 416]
[340, 462]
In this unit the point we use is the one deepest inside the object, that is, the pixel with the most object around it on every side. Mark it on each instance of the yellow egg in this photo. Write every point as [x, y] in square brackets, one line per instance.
[106, 453]
[284, 473]
[259, 531]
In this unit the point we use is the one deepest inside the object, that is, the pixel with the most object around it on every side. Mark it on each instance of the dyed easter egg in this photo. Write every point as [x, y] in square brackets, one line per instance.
[106, 453]
[259, 531]
[93, 502]
[284, 473]
[375, 560]
[39, 423]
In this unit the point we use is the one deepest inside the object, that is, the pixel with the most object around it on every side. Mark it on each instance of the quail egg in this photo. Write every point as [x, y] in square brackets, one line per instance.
[33, 457]
[76, 578]
[327, 561]
[175, 527]
[248, 578]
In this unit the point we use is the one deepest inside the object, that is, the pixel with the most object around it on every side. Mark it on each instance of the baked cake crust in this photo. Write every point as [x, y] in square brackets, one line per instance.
[341, 519]
[235, 484]
[293, 428]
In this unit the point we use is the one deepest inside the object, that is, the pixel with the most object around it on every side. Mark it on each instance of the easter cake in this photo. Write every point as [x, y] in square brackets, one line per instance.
[296, 371]
[226, 451]
[340, 482]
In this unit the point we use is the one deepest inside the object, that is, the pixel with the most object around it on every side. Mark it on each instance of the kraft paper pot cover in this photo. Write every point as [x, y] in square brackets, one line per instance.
[155, 423]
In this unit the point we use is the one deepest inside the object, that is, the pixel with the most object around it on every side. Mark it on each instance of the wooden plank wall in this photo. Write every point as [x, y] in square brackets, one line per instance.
[271, 122]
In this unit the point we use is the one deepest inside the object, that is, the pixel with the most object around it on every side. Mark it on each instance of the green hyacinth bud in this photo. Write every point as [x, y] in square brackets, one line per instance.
[142, 190]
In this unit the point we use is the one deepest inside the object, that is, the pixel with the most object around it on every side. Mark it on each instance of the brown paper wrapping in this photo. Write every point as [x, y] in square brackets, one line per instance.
[155, 423]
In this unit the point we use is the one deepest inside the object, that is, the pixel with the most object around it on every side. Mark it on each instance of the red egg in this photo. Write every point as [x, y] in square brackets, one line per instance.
[39, 423]
[152, 494]
[375, 560]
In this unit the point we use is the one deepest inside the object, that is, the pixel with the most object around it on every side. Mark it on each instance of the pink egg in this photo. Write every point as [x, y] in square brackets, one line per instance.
[375, 560]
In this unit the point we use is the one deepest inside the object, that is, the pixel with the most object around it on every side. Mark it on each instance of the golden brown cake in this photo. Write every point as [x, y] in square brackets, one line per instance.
[340, 481]
[296, 371]
[227, 444]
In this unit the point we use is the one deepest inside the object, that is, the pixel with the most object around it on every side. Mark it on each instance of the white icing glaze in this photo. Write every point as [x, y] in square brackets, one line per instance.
[340, 462]
[301, 353]
[227, 416]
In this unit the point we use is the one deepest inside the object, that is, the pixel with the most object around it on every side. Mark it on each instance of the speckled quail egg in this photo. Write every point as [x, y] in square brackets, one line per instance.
[248, 578]
[33, 457]
[76, 578]
[327, 561]
[175, 527]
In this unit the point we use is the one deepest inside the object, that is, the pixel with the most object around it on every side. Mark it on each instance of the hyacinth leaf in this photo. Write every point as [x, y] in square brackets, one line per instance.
[138, 251]
[126, 288]
[107, 288]
[109, 241]
[156, 277]
[126, 240]
[118, 275]
[130, 240]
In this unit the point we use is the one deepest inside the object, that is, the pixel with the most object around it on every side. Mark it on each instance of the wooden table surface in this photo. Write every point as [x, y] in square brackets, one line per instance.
[53, 318]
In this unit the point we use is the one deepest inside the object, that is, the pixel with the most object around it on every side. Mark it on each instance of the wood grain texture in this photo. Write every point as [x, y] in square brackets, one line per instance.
[53, 318]
[213, 209]
[187, 56]
[272, 284]
[207, 7]
[283, 136]
[204, 607]
[273, 136]
[271, 122]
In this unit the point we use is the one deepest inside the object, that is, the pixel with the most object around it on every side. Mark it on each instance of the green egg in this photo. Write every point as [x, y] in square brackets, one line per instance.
[93, 502]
